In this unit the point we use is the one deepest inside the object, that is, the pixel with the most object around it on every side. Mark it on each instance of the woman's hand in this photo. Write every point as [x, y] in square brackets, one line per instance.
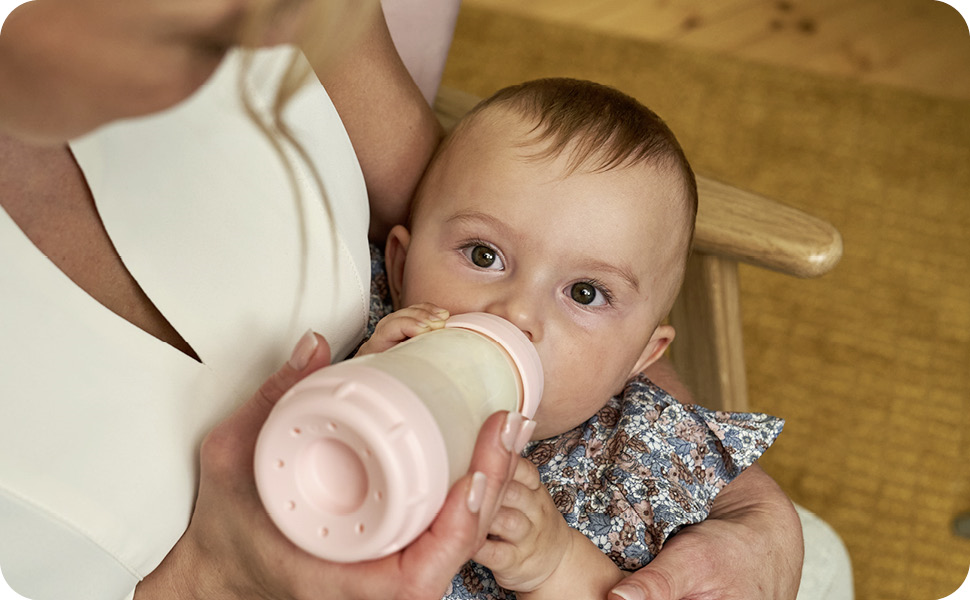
[68, 66]
[231, 549]
[749, 548]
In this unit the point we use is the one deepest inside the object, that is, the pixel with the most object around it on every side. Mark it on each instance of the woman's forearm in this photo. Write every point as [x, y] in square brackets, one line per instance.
[749, 547]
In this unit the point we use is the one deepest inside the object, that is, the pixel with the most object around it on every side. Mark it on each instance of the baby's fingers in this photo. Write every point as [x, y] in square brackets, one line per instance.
[413, 320]
[511, 524]
[527, 474]
[425, 315]
[402, 325]
[498, 555]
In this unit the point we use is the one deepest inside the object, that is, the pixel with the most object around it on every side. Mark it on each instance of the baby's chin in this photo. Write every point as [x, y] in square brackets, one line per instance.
[560, 412]
[546, 429]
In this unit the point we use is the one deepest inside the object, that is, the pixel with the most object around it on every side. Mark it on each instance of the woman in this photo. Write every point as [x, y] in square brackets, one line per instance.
[212, 242]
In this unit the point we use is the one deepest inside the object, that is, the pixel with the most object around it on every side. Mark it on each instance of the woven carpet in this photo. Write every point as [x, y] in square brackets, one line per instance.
[870, 364]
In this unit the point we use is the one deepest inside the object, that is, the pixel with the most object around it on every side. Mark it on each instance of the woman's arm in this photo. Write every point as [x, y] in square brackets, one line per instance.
[393, 129]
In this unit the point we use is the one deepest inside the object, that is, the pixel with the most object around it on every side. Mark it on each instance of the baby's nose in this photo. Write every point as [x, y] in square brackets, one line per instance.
[521, 311]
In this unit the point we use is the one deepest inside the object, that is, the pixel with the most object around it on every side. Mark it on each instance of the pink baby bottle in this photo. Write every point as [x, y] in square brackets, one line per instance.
[355, 461]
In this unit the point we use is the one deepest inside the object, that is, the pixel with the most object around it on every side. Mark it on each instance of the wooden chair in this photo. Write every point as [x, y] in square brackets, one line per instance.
[733, 226]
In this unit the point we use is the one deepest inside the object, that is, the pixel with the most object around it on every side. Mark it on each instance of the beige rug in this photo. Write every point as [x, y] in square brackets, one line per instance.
[870, 365]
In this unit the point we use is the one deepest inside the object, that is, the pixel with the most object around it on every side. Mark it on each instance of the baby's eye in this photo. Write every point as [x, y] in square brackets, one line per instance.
[483, 257]
[587, 294]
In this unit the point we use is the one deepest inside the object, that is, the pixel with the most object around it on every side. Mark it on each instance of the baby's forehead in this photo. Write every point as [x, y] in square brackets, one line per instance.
[583, 148]
[497, 130]
[488, 126]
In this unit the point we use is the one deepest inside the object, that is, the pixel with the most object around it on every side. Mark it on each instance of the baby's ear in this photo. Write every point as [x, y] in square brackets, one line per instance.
[655, 348]
[395, 255]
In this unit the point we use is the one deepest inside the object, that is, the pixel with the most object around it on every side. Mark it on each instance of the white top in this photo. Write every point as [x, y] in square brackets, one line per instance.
[100, 422]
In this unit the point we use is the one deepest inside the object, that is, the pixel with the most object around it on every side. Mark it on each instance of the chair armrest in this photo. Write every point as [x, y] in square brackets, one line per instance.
[730, 222]
[753, 229]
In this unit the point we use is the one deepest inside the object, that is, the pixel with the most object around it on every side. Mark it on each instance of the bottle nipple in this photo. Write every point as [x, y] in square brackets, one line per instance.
[334, 476]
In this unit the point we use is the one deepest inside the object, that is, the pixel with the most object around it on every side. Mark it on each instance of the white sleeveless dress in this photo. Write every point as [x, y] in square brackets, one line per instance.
[100, 423]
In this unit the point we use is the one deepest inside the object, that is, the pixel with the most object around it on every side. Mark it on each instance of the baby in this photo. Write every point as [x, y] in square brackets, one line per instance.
[567, 208]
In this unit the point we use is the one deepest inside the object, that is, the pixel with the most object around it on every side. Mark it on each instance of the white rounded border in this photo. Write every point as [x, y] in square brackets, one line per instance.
[7, 6]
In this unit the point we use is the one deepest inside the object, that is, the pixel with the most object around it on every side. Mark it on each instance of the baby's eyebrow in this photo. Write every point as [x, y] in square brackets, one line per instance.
[624, 273]
[474, 216]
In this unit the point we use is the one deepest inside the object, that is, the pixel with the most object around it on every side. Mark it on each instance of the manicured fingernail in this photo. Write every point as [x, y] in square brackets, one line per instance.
[304, 351]
[511, 430]
[525, 434]
[627, 593]
[476, 492]
[440, 312]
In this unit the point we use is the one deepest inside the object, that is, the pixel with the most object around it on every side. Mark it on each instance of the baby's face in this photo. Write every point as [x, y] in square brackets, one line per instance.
[583, 264]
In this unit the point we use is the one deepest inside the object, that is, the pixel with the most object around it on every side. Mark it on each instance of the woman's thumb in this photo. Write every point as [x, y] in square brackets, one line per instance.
[652, 582]
[229, 443]
[312, 352]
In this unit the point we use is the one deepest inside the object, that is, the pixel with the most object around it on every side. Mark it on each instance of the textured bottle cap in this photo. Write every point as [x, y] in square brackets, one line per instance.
[351, 465]
[518, 347]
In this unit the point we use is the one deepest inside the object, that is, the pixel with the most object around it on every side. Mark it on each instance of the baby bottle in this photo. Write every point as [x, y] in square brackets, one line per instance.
[355, 461]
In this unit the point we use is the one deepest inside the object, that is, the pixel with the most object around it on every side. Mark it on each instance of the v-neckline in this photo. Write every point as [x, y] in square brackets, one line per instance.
[71, 297]
[57, 236]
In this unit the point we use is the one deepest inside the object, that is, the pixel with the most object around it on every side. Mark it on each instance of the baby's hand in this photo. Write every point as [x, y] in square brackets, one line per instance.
[528, 538]
[403, 324]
